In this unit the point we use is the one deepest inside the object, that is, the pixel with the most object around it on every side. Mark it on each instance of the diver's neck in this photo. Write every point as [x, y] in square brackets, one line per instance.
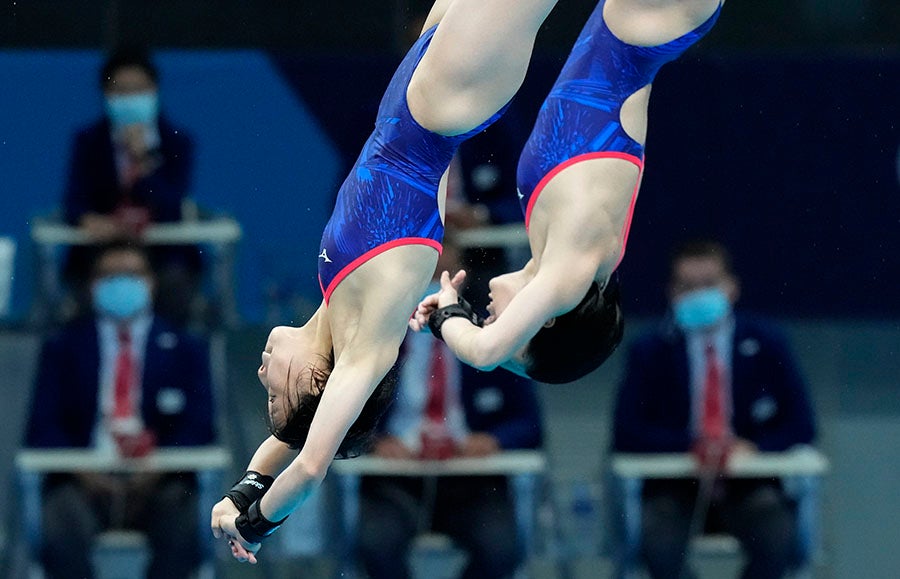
[319, 329]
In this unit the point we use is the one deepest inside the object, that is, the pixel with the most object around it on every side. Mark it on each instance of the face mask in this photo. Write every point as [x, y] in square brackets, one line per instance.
[701, 309]
[121, 296]
[140, 108]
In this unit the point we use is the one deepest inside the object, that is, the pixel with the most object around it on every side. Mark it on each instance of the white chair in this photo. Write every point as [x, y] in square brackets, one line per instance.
[7, 273]
[117, 554]
[626, 534]
[433, 555]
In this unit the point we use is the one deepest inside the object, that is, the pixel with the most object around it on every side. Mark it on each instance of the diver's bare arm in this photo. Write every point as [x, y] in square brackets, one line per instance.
[271, 456]
[558, 286]
[351, 383]
[485, 348]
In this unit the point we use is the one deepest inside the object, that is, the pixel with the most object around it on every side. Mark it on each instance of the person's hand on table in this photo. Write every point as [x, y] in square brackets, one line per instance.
[742, 446]
[391, 447]
[712, 454]
[101, 227]
[479, 444]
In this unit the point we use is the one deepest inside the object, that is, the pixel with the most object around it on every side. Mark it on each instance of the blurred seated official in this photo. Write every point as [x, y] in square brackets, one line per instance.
[713, 382]
[445, 409]
[128, 169]
[121, 380]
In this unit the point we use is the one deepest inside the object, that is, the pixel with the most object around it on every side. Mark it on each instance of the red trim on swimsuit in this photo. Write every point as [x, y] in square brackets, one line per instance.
[637, 161]
[577, 159]
[372, 253]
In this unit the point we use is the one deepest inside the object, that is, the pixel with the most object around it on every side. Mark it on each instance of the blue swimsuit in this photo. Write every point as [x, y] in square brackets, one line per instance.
[390, 196]
[580, 118]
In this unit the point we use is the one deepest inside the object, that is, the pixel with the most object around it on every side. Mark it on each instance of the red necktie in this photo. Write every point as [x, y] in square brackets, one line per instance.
[437, 443]
[129, 168]
[123, 406]
[713, 425]
[437, 384]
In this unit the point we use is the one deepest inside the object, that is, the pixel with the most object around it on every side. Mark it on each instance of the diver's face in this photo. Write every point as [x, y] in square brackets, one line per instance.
[287, 362]
[503, 289]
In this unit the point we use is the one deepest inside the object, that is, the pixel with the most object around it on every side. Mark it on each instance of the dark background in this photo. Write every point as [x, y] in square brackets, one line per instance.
[370, 26]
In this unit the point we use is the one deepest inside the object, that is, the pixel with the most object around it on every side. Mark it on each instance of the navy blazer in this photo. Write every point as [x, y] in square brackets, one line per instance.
[499, 403]
[770, 398]
[93, 184]
[177, 399]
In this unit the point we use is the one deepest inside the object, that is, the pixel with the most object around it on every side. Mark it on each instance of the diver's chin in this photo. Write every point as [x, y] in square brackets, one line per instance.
[518, 363]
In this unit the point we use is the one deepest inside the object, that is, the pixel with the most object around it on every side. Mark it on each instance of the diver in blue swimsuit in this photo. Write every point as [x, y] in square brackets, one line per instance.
[390, 197]
[558, 318]
[580, 118]
[327, 381]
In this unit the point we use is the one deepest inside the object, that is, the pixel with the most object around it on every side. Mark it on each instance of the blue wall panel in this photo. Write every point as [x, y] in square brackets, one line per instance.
[260, 155]
[44, 97]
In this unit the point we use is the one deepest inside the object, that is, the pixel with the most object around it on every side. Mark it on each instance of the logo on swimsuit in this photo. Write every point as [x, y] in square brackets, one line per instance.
[324, 256]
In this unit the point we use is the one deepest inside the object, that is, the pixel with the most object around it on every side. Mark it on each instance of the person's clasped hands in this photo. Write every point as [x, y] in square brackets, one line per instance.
[237, 517]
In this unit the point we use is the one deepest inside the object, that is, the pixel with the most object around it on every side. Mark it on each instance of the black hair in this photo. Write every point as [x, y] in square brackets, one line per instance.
[124, 56]
[121, 244]
[699, 248]
[302, 409]
[579, 341]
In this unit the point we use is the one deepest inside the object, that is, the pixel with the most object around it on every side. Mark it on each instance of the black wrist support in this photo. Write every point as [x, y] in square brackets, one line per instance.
[458, 310]
[249, 488]
[473, 317]
[253, 526]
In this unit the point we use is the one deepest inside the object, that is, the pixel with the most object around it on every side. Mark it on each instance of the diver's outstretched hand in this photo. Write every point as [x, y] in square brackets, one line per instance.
[447, 295]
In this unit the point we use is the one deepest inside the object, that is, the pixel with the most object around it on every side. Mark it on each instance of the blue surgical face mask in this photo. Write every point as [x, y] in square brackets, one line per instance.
[121, 297]
[701, 309]
[130, 109]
